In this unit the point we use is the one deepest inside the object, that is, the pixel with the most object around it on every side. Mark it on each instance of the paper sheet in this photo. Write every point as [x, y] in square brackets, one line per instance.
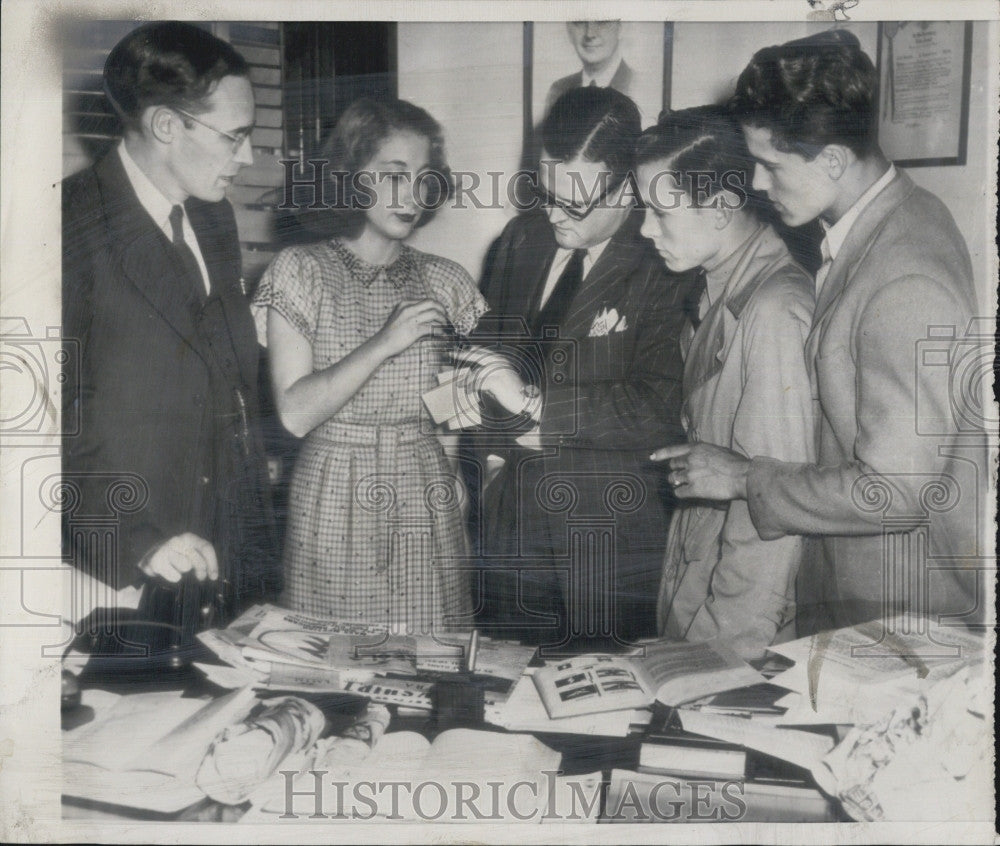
[802, 748]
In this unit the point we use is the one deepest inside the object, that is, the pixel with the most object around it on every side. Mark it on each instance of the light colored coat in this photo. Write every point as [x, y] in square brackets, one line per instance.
[746, 387]
[895, 488]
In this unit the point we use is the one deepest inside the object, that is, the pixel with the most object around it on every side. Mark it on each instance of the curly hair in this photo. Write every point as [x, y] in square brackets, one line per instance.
[811, 92]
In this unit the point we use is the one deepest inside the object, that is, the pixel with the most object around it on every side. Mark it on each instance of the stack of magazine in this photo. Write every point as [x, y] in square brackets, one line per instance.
[275, 649]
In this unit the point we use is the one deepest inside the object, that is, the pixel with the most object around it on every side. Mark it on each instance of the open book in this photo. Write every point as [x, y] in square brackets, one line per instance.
[672, 673]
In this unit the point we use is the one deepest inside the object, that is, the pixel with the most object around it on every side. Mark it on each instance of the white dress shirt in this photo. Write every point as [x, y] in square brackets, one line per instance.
[559, 263]
[603, 79]
[837, 233]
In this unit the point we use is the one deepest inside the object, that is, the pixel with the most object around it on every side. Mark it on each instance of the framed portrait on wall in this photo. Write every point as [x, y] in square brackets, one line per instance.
[924, 71]
[630, 56]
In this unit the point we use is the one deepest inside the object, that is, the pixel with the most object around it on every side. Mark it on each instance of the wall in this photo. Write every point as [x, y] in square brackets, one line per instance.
[469, 76]
[730, 46]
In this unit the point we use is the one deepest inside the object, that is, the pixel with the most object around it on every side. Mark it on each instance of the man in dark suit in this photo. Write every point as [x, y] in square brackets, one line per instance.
[573, 524]
[596, 43]
[152, 294]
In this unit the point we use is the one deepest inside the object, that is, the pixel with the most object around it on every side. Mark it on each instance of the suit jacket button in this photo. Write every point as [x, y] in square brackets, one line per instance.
[204, 480]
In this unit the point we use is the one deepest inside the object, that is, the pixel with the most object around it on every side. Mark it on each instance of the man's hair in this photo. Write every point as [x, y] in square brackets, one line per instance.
[361, 130]
[702, 146]
[595, 124]
[168, 63]
[811, 92]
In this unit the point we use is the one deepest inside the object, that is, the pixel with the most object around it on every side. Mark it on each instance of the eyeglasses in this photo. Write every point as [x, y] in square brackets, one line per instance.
[238, 139]
[574, 211]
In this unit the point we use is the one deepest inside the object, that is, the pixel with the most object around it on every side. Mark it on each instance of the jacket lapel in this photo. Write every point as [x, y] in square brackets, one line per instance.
[219, 245]
[143, 253]
[859, 240]
[535, 251]
[604, 286]
[759, 256]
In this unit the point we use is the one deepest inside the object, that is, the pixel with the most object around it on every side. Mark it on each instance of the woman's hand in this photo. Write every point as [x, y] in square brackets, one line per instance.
[705, 471]
[410, 321]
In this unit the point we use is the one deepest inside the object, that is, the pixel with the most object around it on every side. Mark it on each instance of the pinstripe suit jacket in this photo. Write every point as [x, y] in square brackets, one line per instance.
[608, 401]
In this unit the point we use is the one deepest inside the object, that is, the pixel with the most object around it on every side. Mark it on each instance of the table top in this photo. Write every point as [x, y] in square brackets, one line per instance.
[580, 754]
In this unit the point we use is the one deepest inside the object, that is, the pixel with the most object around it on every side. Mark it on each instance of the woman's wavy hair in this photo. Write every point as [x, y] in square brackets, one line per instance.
[361, 130]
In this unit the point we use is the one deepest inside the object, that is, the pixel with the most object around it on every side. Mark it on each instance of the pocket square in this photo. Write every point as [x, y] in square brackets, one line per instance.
[603, 322]
[607, 321]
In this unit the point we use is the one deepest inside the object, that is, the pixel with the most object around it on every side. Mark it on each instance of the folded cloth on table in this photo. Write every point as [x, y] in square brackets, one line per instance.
[245, 755]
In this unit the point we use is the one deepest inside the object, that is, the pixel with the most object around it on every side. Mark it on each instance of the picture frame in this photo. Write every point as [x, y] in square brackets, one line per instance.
[553, 65]
[924, 70]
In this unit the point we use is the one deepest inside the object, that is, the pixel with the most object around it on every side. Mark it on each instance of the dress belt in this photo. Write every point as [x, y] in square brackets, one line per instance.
[355, 434]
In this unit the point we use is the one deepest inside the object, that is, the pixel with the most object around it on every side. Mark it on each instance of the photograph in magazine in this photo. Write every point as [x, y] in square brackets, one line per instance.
[425, 421]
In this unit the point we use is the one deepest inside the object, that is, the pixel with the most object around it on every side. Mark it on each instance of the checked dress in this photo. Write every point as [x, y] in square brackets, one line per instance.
[375, 529]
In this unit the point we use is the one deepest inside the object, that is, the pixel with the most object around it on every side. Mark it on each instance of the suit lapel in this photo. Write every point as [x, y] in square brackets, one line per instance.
[854, 249]
[219, 247]
[143, 253]
[535, 252]
[604, 286]
[860, 238]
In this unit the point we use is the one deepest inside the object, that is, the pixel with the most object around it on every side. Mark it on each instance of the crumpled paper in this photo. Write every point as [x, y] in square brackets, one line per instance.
[244, 756]
[927, 755]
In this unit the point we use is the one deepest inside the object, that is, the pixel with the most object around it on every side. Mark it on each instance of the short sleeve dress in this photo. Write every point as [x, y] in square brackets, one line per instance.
[375, 530]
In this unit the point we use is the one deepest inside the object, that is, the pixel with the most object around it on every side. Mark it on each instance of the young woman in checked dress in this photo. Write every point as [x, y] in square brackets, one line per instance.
[354, 328]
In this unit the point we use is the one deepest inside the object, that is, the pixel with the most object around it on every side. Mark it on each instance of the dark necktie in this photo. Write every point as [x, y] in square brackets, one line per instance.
[185, 254]
[557, 305]
[693, 299]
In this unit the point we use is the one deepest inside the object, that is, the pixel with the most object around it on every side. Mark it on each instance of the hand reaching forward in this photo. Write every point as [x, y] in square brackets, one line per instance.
[705, 471]
[497, 377]
[179, 555]
[410, 321]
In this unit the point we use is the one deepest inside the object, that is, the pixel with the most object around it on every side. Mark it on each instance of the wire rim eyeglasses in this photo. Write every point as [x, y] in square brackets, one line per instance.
[237, 140]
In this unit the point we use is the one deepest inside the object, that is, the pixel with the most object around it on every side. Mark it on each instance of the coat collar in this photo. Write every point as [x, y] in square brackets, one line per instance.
[756, 261]
[142, 251]
[859, 239]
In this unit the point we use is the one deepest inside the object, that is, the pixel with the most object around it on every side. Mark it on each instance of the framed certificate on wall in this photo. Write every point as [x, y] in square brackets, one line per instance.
[924, 71]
